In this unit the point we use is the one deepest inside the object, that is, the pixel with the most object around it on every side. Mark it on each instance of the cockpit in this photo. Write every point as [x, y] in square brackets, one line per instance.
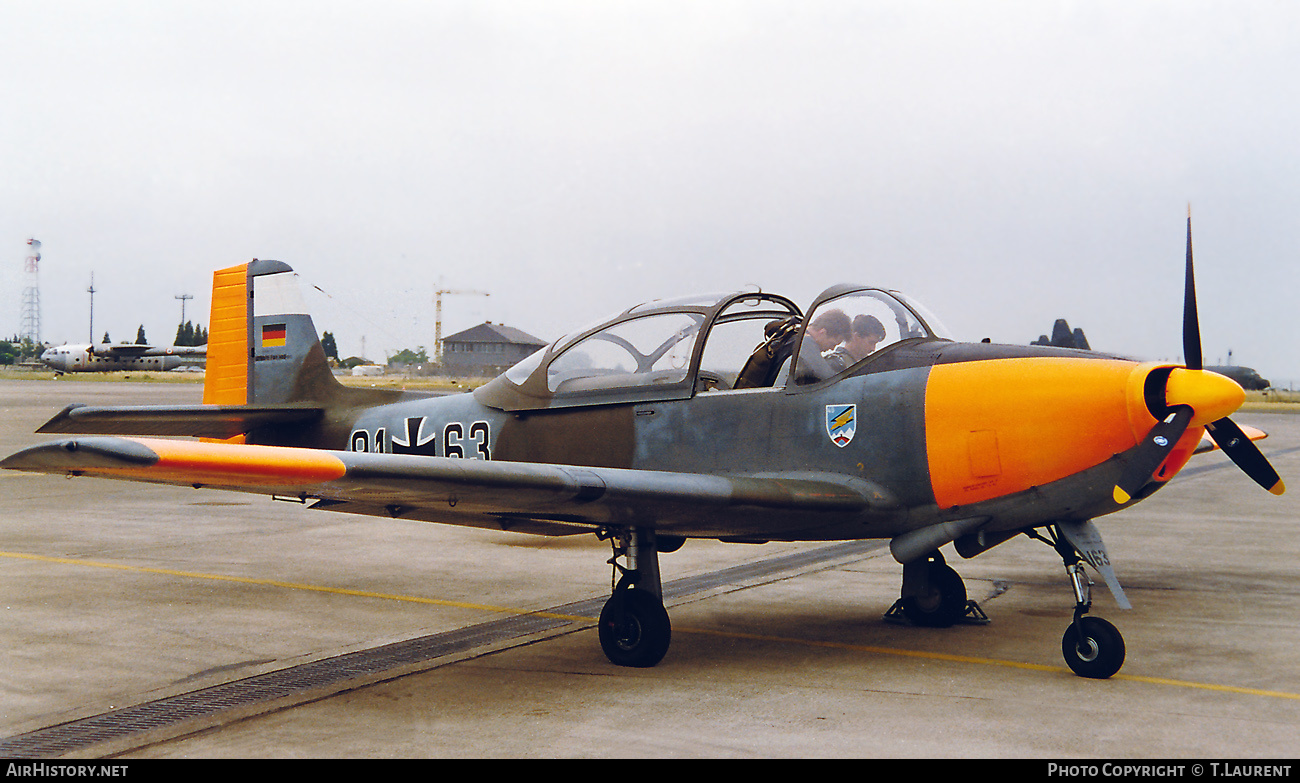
[739, 341]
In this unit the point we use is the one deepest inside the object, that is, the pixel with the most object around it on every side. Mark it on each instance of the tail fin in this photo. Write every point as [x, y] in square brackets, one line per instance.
[262, 345]
[263, 351]
[267, 378]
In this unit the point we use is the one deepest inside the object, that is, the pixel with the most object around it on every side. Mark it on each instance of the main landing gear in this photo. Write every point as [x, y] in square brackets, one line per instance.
[634, 628]
[1092, 647]
[934, 596]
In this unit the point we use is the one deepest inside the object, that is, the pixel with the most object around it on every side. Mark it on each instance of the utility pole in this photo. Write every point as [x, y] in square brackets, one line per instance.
[91, 289]
[437, 315]
[183, 297]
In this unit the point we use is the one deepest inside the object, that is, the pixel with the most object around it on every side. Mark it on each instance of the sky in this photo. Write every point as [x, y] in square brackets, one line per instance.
[1005, 163]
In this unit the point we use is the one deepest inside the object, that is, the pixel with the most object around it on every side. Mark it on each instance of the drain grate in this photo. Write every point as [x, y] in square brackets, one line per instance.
[207, 703]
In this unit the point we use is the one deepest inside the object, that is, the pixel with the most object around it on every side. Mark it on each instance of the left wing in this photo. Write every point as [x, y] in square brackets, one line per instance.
[538, 498]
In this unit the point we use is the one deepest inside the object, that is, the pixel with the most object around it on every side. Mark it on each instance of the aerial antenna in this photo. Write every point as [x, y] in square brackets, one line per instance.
[31, 317]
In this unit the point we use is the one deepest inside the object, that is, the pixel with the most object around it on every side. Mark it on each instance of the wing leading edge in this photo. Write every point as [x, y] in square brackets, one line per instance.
[538, 498]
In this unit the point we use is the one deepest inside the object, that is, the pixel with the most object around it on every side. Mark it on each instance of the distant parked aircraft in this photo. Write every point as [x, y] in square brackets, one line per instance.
[108, 357]
[1246, 377]
[1062, 337]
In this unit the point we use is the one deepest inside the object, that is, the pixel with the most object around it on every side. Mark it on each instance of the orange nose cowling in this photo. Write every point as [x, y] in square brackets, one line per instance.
[1002, 426]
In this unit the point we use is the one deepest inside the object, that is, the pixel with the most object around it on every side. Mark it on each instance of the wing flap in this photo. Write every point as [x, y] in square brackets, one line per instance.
[510, 495]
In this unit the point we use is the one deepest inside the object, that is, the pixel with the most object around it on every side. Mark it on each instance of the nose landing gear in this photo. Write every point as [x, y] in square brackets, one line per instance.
[1091, 646]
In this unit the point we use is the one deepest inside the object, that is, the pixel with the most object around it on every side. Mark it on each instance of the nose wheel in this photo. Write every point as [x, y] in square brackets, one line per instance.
[1093, 648]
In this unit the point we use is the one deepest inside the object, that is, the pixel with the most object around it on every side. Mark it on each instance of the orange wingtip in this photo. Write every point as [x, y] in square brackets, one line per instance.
[233, 464]
[1207, 443]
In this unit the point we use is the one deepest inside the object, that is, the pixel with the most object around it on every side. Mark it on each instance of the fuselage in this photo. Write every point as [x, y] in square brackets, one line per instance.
[925, 429]
[1021, 435]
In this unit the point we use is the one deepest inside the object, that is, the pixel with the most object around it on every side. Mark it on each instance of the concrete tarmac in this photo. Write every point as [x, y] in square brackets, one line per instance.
[118, 594]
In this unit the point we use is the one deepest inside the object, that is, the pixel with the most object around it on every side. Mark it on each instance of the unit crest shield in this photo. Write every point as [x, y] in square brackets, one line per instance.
[841, 423]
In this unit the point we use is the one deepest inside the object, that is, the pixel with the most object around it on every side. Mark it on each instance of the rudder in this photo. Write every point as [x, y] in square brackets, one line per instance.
[263, 348]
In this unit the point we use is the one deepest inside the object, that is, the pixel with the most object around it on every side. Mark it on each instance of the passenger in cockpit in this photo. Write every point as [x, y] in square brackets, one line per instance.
[866, 334]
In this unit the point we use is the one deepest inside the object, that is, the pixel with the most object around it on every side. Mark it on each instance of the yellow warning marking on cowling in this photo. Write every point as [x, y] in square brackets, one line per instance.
[933, 656]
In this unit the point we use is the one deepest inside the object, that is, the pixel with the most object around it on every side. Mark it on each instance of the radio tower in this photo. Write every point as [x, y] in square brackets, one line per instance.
[31, 318]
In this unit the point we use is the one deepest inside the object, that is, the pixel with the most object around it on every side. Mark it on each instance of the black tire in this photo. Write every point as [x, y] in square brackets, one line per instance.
[943, 604]
[1101, 652]
[634, 629]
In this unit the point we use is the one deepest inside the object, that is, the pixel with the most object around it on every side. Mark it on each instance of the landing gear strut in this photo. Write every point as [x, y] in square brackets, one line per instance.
[634, 628]
[1092, 647]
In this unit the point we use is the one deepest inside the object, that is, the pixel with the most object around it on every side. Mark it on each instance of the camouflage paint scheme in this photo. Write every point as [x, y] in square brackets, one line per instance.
[925, 441]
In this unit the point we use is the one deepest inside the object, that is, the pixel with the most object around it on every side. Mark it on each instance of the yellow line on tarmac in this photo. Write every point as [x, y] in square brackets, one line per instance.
[934, 656]
[287, 585]
[1037, 667]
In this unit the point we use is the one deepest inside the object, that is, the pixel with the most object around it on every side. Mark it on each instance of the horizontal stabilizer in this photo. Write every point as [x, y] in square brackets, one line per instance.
[204, 421]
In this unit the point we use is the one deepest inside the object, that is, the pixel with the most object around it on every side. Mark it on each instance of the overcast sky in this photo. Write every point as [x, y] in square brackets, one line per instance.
[1007, 163]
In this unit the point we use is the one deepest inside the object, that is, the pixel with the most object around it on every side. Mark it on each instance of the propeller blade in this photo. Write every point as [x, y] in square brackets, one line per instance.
[1191, 323]
[1239, 448]
[1151, 452]
[1243, 451]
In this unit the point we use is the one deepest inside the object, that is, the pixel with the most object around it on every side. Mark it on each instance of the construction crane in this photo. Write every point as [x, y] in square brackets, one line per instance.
[437, 314]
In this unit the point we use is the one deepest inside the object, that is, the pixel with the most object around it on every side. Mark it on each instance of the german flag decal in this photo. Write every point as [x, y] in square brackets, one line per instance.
[273, 336]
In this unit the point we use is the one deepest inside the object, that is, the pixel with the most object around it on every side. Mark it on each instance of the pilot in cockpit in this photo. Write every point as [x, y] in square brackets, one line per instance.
[866, 334]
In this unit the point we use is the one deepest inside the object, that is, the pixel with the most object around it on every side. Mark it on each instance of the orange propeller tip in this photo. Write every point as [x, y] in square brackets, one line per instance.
[1278, 488]
[1121, 497]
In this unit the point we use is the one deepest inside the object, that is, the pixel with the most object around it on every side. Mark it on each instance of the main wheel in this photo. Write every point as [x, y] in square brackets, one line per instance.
[634, 629]
[1100, 653]
[944, 601]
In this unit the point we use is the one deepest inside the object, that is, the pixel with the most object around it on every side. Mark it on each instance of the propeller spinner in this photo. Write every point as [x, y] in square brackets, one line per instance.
[1195, 397]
